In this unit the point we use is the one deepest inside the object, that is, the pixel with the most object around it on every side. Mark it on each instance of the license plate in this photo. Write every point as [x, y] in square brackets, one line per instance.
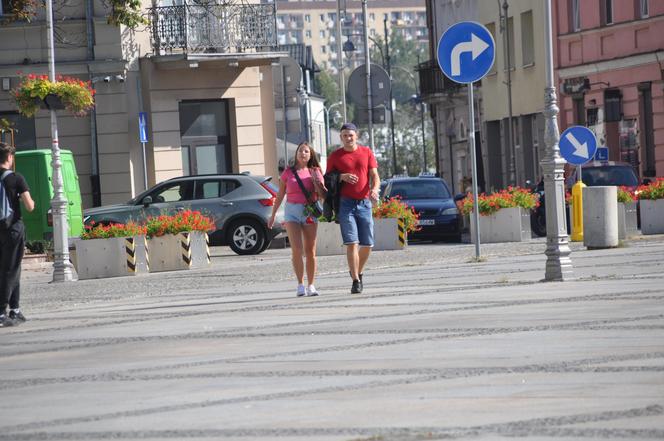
[426, 222]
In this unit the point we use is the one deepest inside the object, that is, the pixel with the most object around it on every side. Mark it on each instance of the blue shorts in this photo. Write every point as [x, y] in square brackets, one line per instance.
[356, 222]
[295, 213]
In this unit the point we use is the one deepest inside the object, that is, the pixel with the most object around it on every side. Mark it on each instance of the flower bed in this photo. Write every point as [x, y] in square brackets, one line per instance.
[651, 202]
[489, 204]
[395, 208]
[34, 90]
[162, 243]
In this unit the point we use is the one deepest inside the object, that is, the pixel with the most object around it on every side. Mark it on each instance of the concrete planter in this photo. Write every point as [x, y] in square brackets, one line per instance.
[386, 237]
[113, 257]
[180, 251]
[627, 222]
[505, 225]
[600, 217]
[652, 216]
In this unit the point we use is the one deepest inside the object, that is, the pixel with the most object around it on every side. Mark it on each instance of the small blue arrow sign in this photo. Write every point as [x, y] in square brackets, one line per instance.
[602, 154]
[577, 145]
[143, 127]
[466, 52]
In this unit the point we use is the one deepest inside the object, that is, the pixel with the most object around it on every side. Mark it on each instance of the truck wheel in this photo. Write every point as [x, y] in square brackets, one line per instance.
[246, 236]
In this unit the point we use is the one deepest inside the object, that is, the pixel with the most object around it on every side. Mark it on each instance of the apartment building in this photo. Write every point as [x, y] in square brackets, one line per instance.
[202, 73]
[313, 23]
[518, 32]
[609, 61]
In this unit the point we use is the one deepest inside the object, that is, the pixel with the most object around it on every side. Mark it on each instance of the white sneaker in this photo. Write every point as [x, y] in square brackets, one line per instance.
[300, 290]
[311, 291]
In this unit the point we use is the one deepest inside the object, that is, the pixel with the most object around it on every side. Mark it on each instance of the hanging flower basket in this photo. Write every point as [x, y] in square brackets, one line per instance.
[37, 91]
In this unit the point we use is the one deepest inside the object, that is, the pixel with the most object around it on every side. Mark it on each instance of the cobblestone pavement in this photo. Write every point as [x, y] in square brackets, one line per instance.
[438, 347]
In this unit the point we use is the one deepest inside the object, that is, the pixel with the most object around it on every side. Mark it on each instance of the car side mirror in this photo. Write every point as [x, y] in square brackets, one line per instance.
[459, 197]
[147, 200]
[646, 181]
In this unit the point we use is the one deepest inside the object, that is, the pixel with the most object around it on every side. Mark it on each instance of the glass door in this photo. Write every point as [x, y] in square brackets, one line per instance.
[205, 137]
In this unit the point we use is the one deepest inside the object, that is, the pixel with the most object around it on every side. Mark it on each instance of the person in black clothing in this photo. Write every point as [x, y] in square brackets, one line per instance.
[12, 240]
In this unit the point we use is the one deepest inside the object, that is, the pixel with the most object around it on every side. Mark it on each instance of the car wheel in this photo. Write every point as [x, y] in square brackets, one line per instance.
[538, 223]
[246, 236]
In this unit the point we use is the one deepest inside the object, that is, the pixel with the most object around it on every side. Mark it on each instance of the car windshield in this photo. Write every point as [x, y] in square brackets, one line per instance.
[609, 175]
[420, 189]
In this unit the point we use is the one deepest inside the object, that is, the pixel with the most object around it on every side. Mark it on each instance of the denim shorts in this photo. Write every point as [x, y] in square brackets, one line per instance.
[356, 222]
[295, 213]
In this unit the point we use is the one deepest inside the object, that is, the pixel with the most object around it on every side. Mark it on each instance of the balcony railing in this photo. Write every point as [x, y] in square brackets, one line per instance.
[208, 27]
[432, 80]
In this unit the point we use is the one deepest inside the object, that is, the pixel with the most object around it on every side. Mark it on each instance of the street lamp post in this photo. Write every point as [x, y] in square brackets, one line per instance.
[340, 62]
[504, 28]
[389, 74]
[62, 267]
[558, 262]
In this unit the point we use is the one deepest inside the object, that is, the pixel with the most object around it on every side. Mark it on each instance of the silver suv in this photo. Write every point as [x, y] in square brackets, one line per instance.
[240, 205]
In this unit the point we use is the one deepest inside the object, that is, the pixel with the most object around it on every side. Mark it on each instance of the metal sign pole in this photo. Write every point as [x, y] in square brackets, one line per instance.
[473, 159]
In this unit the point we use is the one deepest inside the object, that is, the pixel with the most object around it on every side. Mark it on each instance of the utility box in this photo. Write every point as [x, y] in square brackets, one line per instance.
[35, 166]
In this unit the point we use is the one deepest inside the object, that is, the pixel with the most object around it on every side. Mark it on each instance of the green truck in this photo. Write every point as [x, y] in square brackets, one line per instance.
[35, 166]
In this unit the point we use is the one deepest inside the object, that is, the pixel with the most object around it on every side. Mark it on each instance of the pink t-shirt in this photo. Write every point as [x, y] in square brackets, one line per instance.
[294, 194]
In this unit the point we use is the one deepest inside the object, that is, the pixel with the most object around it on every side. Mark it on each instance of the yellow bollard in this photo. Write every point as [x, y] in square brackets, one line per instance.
[577, 211]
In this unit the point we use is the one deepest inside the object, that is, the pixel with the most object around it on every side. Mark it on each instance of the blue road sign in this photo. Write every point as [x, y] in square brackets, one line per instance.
[577, 145]
[466, 51]
[602, 154]
[143, 126]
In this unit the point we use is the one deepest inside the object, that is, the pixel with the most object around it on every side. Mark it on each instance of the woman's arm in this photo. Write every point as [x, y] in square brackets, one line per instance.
[319, 183]
[277, 203]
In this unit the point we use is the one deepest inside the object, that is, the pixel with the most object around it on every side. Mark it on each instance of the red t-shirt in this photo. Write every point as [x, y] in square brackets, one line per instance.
[357, 162]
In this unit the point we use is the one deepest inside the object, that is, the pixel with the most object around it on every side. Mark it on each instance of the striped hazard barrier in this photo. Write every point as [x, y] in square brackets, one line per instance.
[147, 255]
[401, 228]
[185, 243]
[130, 251]
[207, 247]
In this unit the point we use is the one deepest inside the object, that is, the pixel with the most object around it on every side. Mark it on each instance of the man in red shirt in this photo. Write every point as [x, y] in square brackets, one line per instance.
[360, 187]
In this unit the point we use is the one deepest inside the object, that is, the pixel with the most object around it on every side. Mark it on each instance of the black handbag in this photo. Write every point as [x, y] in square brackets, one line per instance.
[314, 208]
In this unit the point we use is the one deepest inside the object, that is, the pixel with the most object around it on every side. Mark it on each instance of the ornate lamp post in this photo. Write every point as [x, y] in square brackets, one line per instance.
[62, 268]
[558, 262]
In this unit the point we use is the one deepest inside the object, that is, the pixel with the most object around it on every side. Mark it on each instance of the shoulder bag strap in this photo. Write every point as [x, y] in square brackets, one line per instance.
[306, 193]
[5, 174]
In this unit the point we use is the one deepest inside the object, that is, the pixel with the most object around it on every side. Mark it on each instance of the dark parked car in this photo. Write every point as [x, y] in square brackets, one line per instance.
[593, 174]
[431, 198]
[240, 205]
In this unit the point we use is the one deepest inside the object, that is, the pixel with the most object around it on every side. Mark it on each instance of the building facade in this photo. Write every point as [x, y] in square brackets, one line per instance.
[610, 60]
[314, 23]
[205, 84]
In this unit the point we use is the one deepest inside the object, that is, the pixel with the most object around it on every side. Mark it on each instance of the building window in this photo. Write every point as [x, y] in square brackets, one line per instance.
[321, 34]
[527, 39]
[510, 40]
[323, 49]
[491, 27]
[307, 18]
[643, 8]
[322, 18]
[372, 17]
[575, 15]
[308, 33]
[5, 7]
[612, 105]
[24, 131]
[606, 12]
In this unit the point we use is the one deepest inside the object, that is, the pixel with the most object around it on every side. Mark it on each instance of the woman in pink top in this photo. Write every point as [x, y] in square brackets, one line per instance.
[301, 227]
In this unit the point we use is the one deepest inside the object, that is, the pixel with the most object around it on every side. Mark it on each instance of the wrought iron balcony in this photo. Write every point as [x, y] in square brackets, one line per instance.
[220, 27]
[433, 82]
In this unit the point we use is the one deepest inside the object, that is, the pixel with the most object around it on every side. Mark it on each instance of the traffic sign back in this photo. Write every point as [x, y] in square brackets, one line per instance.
[466, 52]
[142, 127]
[577, 145]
